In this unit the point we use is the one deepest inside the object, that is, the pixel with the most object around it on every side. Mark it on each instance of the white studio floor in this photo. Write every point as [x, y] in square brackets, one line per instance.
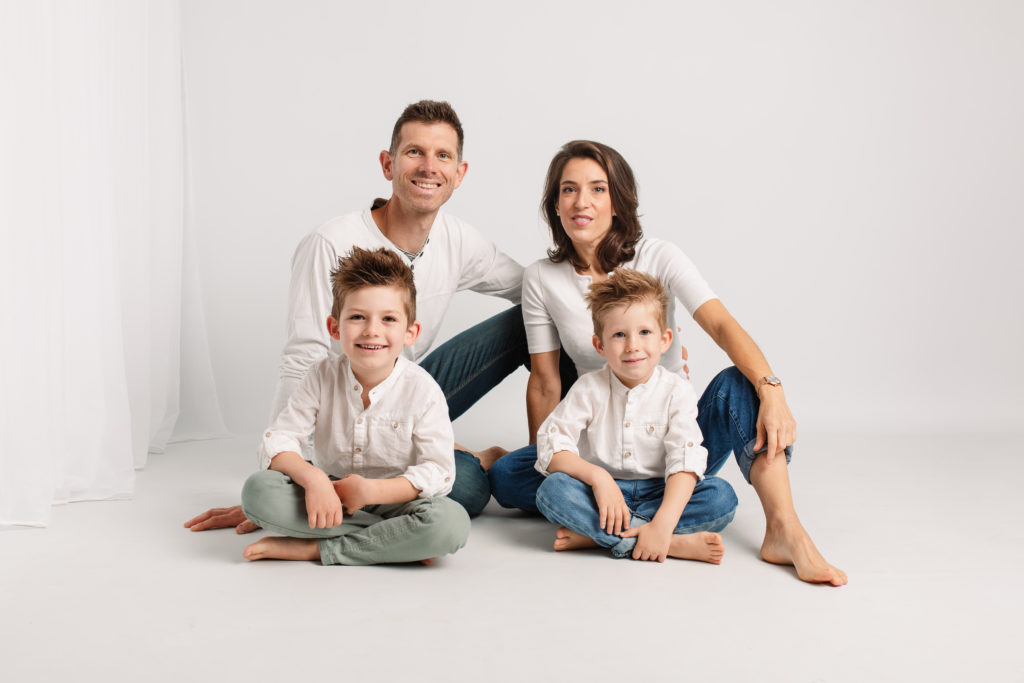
[119, 591]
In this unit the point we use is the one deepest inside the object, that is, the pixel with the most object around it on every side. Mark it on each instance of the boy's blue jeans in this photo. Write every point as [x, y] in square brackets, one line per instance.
[570, 503]
[726, 413]
[466, 367]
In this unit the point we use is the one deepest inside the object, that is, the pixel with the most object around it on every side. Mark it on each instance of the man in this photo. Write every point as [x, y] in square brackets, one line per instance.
[424, 165]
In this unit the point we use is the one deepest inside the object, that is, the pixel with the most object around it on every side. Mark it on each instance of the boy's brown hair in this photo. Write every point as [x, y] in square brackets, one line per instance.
[626, 287]
[377, 268]
[427, 111]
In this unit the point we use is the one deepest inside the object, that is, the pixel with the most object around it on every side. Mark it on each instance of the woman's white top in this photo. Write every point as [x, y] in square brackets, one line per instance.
[556, 314]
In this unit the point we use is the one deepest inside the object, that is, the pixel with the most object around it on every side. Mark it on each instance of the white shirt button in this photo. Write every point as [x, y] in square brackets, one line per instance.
[267, 434]
[689, 444]
[394, 425]
[628, 454]
[627, 424]
[553, 429]
[650, 429]
[358, 449]
[359, 421]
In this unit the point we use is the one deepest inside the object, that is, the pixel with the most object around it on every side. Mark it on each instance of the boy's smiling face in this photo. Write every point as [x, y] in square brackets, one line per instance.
[632, 342]
[373, 328]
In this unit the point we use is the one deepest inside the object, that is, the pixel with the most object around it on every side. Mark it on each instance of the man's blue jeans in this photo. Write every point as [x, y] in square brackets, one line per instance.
[466, 367]
[570, 503]
[726, 413]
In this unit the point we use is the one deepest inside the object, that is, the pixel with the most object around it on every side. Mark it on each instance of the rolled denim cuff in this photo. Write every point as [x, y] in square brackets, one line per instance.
[746, 458]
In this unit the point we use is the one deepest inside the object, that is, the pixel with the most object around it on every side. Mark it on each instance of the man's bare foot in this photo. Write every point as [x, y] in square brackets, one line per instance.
[704, 546]
[791, 545]
[283, 548]
[489, 456]
[566, 539]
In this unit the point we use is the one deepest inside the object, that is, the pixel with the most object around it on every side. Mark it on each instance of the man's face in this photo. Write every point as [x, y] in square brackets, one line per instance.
[425, 168]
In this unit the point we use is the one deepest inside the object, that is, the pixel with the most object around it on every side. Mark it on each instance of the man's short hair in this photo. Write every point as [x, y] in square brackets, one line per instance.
[626, 287]
[377, 268]
[427, 111]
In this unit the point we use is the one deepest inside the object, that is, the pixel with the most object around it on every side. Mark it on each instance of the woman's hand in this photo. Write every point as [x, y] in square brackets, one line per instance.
[776, 427]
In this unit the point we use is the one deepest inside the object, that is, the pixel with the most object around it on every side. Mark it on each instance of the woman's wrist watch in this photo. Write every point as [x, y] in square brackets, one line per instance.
[770, 380]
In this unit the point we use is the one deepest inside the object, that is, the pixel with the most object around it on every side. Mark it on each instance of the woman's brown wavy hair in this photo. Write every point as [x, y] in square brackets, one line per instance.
[619, 244]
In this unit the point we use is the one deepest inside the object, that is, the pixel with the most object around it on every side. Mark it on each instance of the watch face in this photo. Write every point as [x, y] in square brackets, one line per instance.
[773, 380]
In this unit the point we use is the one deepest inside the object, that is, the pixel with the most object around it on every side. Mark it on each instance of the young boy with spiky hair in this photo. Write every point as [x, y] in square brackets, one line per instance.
[622, 453]
[383, 446]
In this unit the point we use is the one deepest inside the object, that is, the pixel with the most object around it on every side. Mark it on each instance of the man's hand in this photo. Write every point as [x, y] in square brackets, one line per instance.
[220, 518]
[611, 505]
[651, 542]
[776, 427]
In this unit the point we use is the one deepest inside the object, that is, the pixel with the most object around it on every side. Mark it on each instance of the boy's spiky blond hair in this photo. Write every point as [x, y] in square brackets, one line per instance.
[377, 268]
[626, 287]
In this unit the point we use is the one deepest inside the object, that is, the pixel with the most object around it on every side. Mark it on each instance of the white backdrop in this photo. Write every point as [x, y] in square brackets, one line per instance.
[847, 175]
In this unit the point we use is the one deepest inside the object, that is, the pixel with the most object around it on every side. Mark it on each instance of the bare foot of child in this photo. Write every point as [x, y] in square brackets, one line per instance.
[704, 546]
[791, 545]
[566, 539]
[283, 548]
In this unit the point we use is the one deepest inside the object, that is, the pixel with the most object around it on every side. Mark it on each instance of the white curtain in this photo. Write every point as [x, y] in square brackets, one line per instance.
[93, 252]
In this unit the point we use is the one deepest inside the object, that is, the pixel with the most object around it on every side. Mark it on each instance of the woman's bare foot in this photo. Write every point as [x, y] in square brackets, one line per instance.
[283, 548]
[704, 546]
[566, 539]
[791, 545]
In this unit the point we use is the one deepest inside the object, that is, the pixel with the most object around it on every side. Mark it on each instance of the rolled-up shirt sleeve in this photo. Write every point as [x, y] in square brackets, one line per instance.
[683, 449]
[309, 303]
[541, 333]
[291, 428]
[434, 443]
[562, 429]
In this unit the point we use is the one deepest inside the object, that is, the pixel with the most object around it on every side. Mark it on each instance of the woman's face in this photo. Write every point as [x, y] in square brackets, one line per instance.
[585, 203]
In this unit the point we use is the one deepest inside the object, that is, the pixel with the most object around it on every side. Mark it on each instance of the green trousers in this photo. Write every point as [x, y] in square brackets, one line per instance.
[377, 534]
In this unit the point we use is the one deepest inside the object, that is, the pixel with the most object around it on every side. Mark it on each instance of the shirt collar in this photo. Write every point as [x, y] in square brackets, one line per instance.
[381, 389]
[620, 389]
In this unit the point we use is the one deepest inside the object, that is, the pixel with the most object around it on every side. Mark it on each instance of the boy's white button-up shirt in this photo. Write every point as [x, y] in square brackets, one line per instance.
[646, 432]
[455, 258]
[405, 431]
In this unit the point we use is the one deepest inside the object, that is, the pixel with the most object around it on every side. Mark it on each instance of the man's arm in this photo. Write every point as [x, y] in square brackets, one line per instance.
[309, 303]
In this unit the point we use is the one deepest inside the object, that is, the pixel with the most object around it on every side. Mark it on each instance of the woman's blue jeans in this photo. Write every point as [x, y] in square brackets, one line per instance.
[570, 503]
[726, 413]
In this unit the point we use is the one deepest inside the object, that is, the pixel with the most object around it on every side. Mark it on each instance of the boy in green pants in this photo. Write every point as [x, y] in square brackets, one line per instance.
[383, 459]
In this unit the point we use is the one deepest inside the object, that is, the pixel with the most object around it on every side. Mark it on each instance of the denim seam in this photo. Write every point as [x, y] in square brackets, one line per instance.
[481, 371]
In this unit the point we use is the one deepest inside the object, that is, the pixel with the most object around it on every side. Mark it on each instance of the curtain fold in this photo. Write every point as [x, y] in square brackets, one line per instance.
[92, 176]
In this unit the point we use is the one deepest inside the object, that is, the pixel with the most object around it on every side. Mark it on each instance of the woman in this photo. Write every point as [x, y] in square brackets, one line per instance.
[590, 204]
